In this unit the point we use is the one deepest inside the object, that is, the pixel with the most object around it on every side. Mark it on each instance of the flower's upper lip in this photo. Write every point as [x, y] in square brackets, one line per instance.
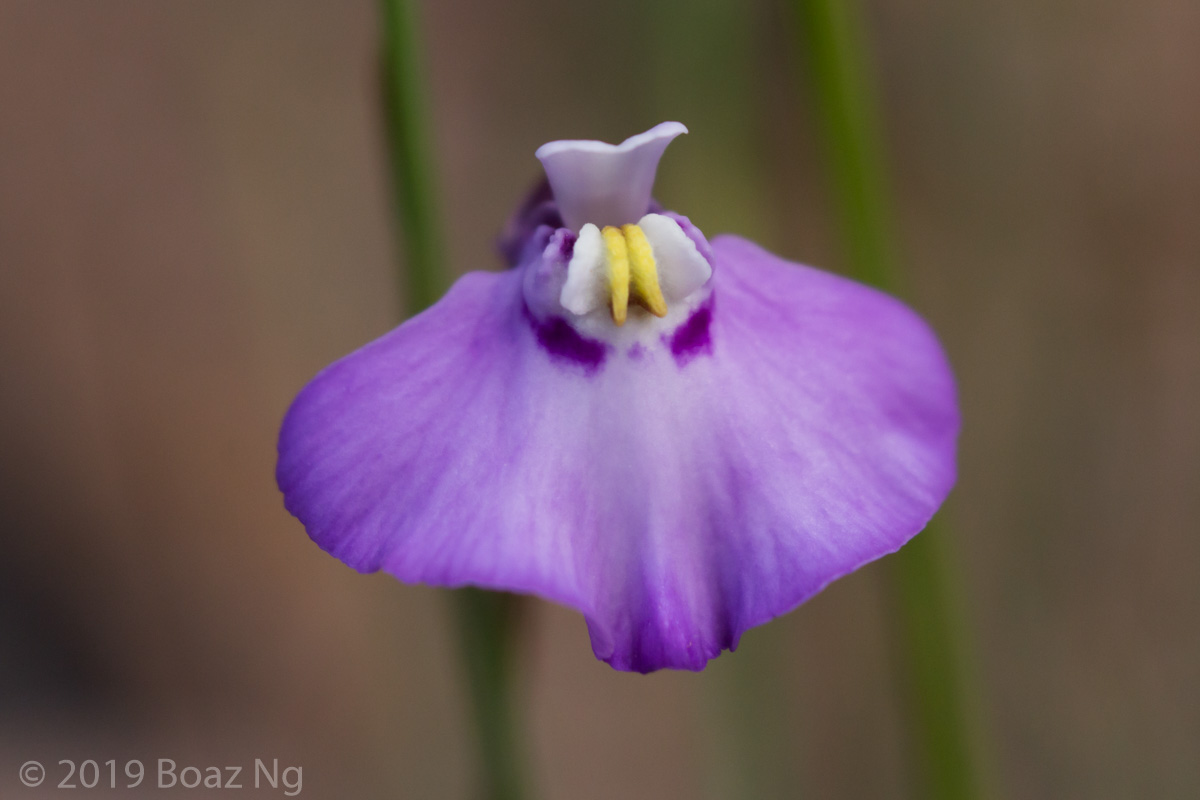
[605, 184]
[664, 130]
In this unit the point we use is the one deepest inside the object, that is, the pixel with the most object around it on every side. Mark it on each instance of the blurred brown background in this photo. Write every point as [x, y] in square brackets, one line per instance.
[194, 218]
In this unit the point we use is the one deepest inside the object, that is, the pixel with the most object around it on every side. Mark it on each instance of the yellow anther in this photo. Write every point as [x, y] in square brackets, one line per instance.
[632, 272]
[643, 272]
[618, 272]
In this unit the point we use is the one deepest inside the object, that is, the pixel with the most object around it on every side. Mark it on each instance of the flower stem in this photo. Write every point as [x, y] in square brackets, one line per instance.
[487, 623]
[932, 657]
[932, 652]
[411, 155]
[484, 619]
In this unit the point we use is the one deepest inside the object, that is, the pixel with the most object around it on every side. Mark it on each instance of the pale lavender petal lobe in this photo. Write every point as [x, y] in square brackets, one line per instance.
[602, 183]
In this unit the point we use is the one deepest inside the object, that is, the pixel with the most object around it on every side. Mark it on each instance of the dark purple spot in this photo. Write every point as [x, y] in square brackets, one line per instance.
[561, 341]
[561, 246]
[693, 337]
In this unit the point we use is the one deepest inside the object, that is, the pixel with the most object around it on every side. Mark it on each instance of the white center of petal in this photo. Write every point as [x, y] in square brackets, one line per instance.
[605, 184]
[652, 264]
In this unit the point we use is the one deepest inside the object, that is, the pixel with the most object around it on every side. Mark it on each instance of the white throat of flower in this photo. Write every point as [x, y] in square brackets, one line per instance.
[624, 258]
[652, 264]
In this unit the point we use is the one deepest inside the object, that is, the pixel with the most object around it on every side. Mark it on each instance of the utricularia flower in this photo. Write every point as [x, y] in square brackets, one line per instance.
[681, 440]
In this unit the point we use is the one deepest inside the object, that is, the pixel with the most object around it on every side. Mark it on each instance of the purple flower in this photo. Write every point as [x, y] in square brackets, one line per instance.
[681, 441]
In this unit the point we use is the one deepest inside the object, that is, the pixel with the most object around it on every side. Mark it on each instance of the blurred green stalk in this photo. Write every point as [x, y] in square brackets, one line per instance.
[932, 646]
[411, 154]
[485, 620]
[487, 623]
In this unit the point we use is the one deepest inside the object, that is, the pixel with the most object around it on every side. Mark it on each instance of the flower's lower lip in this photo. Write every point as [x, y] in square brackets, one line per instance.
[676, 490]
